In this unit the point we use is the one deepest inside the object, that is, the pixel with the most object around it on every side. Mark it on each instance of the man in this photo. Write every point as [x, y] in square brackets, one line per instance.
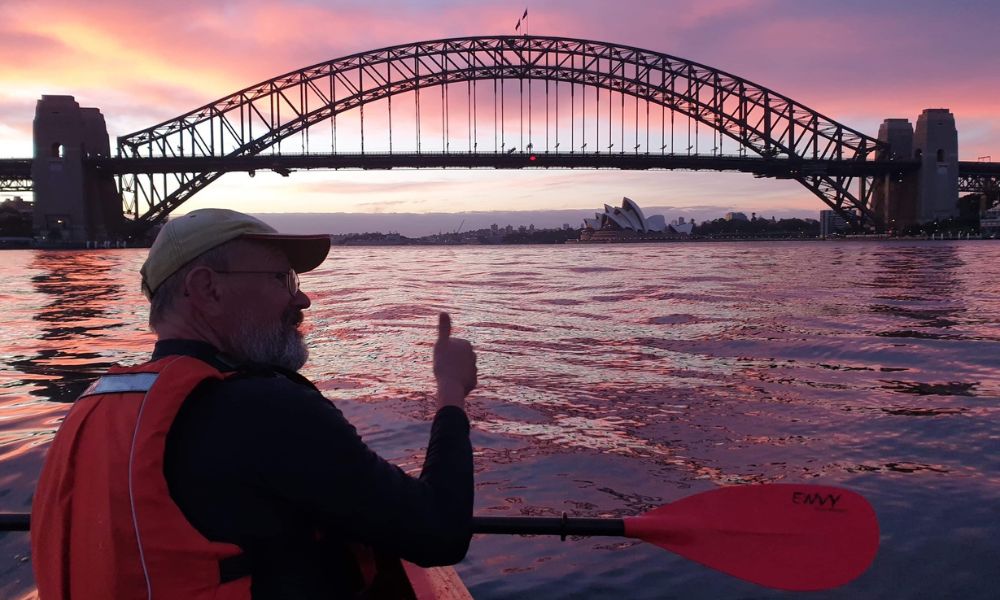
[217, 471]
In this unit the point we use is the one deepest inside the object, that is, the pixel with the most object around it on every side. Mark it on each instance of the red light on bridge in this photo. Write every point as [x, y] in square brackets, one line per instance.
[532, 158]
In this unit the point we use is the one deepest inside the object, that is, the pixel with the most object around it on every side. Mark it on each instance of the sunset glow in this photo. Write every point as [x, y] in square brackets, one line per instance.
[855, 62]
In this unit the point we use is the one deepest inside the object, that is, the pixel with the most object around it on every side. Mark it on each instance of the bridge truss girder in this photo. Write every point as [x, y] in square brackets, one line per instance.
[15, 184]
[15, 175]
[252, 120]
[980, 178]
[981, 183]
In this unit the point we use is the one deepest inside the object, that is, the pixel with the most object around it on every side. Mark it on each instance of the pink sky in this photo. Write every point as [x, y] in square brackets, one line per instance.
[857, 62]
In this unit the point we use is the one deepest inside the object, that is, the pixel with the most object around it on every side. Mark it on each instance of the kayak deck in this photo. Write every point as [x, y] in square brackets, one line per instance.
[436, 583]
[400, 580]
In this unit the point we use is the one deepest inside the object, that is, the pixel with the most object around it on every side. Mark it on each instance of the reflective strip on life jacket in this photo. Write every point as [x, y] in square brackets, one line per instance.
[123, 383]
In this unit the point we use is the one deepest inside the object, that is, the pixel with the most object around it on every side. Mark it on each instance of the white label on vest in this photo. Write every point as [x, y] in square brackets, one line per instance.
[124, 383]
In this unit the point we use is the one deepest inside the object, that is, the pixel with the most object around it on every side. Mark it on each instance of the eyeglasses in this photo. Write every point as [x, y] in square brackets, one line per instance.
[290, 277]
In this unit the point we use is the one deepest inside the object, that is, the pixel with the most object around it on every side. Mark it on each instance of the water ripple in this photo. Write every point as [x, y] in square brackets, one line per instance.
[612, 379]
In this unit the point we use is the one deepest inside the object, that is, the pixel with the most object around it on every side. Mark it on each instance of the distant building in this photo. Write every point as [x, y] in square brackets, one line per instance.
[624, 223]
[656, 223]
[683, 228]
[735, 216]
[830, 222]
[15, 221]
[989, 223]
[627, 218]
[19, 205]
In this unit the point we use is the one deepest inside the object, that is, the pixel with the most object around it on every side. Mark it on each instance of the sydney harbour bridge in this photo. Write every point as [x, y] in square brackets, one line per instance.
[499, 102]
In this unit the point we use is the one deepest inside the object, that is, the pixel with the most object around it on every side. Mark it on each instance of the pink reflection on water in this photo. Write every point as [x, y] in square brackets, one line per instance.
[68, 317]
[612, 379]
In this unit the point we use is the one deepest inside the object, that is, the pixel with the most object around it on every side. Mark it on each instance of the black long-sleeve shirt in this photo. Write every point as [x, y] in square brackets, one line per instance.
[264, 461]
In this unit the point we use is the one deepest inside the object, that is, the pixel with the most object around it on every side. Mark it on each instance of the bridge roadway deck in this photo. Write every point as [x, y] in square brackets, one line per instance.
[968, 167]
[284, 163]
[14, 169]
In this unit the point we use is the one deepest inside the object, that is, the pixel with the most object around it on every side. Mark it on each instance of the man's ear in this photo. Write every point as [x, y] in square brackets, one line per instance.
[201, 288]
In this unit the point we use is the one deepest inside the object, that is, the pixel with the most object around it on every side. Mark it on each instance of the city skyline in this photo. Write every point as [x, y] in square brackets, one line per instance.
[853, 62]
[423, 224]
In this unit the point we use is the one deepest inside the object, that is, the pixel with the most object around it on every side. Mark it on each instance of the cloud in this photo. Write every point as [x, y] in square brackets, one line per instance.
[855, 61]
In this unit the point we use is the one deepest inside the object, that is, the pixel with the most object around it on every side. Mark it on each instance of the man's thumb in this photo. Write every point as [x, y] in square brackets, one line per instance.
[444, 327]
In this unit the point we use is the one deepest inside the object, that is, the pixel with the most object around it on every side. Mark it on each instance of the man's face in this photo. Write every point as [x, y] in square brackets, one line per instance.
[264, 319]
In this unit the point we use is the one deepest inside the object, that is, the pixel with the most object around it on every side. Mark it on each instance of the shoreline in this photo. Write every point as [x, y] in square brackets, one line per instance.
[32, 244]
[28, 244]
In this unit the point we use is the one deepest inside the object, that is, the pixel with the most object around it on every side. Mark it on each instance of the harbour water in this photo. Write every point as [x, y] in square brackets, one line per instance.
[613, 379]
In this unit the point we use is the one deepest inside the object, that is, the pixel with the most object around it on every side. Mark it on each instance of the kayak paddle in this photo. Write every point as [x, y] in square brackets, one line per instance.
[14, 521]
[785, 536]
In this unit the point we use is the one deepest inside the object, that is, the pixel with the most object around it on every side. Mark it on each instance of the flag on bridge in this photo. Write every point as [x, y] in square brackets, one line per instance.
[523, 18]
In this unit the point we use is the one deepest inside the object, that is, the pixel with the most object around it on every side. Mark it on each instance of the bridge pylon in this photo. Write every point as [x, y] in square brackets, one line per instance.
[929, 193]
[73, 204]
[894, 199]
[935, 144]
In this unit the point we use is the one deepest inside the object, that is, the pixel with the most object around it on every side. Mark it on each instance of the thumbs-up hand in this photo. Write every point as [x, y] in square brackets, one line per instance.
[454, 366]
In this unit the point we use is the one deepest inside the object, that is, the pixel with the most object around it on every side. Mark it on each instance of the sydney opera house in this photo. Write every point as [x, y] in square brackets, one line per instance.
[629, 224]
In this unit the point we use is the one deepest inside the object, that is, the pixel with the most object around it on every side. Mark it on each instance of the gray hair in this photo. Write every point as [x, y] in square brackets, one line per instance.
[220, 258]
[160, 305]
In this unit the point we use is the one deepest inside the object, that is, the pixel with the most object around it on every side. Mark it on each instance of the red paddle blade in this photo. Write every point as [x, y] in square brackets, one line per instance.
[785, 536]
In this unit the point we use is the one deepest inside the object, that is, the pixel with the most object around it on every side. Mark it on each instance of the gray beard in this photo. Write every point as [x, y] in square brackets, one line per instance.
[279, 344]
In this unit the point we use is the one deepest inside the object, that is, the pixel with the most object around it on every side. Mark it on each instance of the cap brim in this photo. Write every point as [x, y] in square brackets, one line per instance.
[304, 252]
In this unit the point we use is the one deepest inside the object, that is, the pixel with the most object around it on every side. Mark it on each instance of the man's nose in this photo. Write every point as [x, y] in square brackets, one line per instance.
[301, 300]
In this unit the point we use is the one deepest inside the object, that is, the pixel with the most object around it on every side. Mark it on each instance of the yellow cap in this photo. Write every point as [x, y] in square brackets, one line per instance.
[189, 236]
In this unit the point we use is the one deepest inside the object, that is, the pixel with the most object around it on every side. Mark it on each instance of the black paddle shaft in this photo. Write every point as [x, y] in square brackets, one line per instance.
[561, 526]
[14, 521]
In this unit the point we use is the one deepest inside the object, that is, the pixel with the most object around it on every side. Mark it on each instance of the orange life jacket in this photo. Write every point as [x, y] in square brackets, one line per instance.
[103, 524]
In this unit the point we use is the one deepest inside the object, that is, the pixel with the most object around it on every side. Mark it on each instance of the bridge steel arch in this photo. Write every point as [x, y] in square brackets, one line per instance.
[256, 118]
